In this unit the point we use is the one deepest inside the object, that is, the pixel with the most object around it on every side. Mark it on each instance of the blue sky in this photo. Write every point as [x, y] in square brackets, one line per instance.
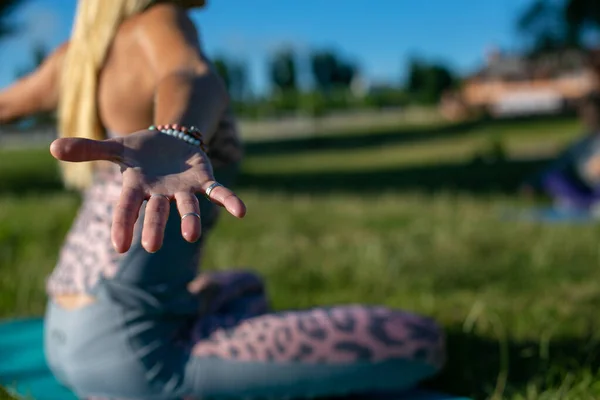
[379, 35]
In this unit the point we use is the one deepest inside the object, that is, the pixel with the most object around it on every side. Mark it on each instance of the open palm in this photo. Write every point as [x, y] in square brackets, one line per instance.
[157, 168]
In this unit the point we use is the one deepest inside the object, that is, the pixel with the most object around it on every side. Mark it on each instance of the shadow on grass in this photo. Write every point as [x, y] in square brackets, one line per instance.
[362, 140]
[30, 182]
[470, 177]
[359, 140]
[37, 172]
[478, 366]
[32, 171]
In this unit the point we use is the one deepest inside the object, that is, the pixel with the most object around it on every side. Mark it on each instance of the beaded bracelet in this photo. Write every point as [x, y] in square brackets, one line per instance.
[191, 135]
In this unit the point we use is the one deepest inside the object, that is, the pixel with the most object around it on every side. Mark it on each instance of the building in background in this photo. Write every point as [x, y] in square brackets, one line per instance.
[512, 85]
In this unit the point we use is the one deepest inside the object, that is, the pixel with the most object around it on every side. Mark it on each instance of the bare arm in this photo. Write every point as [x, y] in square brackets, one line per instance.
[188, 91]
[37, 92]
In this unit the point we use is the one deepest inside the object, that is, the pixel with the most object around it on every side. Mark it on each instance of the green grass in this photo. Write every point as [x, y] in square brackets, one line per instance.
[518, 301]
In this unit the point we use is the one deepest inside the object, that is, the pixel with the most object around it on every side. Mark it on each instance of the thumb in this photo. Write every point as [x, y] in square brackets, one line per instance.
[80, 149]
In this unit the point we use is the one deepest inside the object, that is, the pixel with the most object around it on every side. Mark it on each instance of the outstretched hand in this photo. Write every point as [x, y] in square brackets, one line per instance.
[158, 168]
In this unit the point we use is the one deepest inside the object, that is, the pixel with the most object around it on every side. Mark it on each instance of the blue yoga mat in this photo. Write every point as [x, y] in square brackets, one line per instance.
[24, 373]
[23, 369]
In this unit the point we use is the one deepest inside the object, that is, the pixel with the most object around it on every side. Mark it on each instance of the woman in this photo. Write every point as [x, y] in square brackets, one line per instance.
[573, 179]
[135, 321]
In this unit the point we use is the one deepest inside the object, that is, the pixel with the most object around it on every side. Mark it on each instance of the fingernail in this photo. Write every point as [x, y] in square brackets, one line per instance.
[117, 247]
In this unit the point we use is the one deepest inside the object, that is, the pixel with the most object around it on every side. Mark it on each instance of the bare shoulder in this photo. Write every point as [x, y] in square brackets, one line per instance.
[167, 19]
[169, 40]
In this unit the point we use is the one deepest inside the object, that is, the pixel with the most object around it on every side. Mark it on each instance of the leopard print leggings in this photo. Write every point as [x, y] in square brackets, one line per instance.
[235, 323]
[239, 328]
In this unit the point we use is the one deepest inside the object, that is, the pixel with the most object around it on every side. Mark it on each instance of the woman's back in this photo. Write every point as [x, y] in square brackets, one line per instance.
[125, 87]
[127, 81]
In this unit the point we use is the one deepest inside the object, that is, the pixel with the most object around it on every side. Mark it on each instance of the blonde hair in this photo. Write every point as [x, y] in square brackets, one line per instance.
[96, 24]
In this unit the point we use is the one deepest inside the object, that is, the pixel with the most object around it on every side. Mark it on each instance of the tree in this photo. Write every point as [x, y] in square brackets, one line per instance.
[549, 26]
[427, 82]
[235, 76]
[283, 71]
[6, 9]
[223, 70]
[579, 14]
[323, 67]
[542, 27]
[238, 76]
[417, 76]
[344, 74]
[330, 72]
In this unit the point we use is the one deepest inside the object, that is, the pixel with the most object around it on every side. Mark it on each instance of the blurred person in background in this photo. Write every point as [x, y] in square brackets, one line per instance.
[128, 315]
[572, 180]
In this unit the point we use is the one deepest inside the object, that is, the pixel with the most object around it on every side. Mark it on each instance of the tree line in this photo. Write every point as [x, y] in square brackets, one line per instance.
[336, 83]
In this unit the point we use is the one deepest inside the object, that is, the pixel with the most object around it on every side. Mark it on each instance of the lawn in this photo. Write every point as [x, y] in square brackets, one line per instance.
[408, 218]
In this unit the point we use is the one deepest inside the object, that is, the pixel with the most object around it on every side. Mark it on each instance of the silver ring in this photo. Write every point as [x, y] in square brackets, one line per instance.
[211, 188]
[190, 214]
[161, 195]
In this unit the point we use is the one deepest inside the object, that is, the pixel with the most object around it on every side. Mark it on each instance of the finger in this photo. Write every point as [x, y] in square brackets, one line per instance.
[80, 149]
[227, 199]
[189, 209]
[155, 222]
[125, 215]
